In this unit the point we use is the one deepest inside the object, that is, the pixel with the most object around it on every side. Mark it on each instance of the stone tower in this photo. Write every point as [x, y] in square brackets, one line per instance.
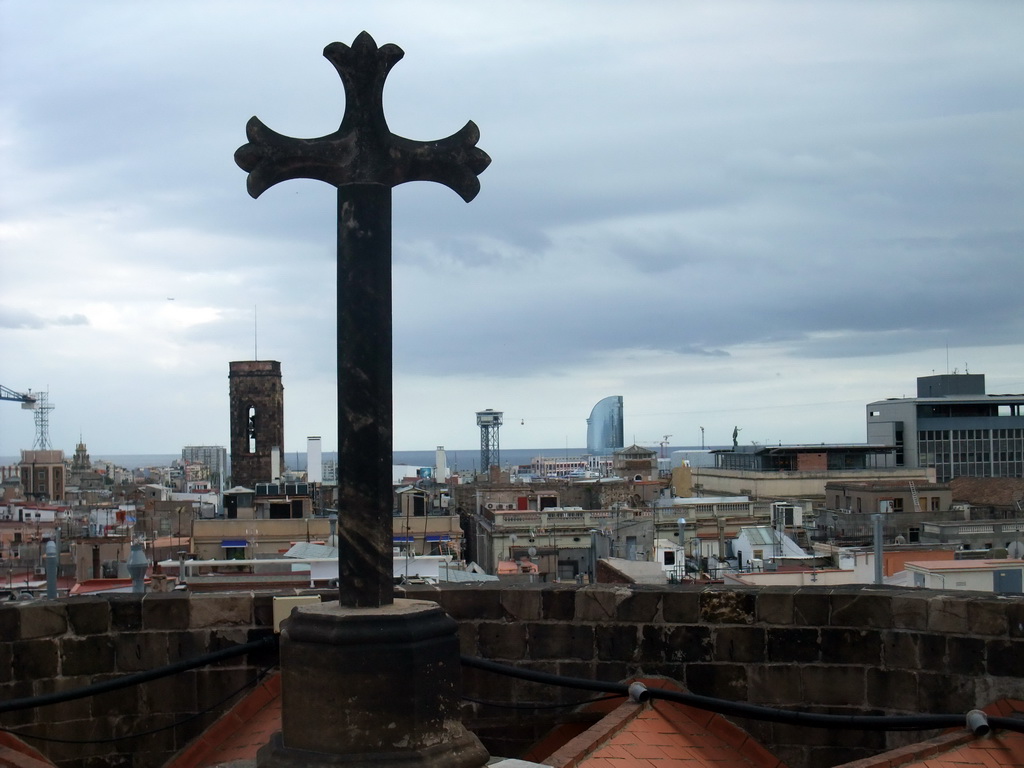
[257, 420]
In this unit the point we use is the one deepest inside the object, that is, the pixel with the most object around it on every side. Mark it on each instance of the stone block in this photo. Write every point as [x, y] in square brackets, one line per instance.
[174, 694]
[844, 645]
[948, 614]
[521, 603]
[125, 612]
[88, 616]
[942, 692]
[89, 655]
[140, 651]
[681, 606]
[221, 639]
[688, 644]
[811, 606]
[860, 610]
[723, 681]
[165, 611]
[583, 670]
[1005, 658]
[899, 650]
[75, 747]
[931, 651]
[654, 643]
[215, 610]
[116, 703]
[987, 617]
[617, 642]
[965, 655]
[42, 619]
[75, 709]
[739, 644]
[613, 671]
[501, 640]
[187, 645]
[13, 691]
[792, 644]
[467, 639]
[214, 684]
[892, 690]
[6, 662]
[832, 685]
[34, 659]
[909, 611]
[559, 640]
[263, 610]
[1014, 618]
[10, 620]
[482, 603]
[642, 606]
[733, 606]
[558, 603]
[487, 685]
[529, 691]
[837, 738]
[600, 602]
[775, 606]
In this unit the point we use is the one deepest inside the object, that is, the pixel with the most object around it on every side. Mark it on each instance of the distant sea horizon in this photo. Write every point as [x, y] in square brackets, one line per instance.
[458, 460]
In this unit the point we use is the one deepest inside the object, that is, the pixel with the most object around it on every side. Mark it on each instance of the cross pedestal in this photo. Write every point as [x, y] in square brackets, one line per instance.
[371, 686]
[367, 680]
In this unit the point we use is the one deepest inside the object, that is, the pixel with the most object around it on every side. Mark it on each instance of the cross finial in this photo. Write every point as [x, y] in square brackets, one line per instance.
[363, 149]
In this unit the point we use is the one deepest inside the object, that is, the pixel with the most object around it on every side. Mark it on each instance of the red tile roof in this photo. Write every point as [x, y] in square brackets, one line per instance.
[960, 748]
[14, 753]
[662, 734]
[240, 732]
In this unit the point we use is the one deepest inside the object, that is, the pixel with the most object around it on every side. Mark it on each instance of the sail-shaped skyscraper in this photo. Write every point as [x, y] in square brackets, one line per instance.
[604, 427]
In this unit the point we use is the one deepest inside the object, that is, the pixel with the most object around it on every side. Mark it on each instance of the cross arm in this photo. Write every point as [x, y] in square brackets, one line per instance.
[363, 149]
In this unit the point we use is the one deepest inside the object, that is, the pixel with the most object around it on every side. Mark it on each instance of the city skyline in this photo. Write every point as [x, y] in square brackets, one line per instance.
[763, 215]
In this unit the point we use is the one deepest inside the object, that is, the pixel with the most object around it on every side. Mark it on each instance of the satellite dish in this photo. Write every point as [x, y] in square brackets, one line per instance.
[532, 551]
[1015, 550]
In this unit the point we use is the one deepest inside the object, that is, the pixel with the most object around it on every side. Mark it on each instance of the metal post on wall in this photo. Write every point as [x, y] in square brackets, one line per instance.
[876, 519]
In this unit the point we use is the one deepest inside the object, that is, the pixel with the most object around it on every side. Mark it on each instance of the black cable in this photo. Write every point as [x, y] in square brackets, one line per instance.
[752, 711]
[249, 683]
[510, 705]
[139, 677]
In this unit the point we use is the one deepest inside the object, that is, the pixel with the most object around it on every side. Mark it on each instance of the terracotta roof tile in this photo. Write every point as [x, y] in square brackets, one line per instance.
[662, 734]
[240, 732]
[959, 748]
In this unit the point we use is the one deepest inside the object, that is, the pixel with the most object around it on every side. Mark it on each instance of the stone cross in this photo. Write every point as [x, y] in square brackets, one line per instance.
[364, 160]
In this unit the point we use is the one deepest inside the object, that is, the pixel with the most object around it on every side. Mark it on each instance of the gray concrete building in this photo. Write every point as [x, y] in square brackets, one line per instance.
[954, 427]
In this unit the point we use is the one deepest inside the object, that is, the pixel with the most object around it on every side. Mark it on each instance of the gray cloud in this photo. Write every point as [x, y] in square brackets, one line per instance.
[770, 185]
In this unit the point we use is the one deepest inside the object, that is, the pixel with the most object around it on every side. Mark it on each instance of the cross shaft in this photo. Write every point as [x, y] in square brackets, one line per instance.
[364, 160]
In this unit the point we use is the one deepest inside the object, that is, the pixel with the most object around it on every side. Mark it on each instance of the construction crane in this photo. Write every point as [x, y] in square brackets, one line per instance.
[28, 402]
[33, 401]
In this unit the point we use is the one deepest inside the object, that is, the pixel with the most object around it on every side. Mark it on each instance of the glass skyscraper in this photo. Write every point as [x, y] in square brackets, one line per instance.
[604, 427]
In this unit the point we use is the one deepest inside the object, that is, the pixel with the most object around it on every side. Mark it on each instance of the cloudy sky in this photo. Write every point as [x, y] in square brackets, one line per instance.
[762, 215]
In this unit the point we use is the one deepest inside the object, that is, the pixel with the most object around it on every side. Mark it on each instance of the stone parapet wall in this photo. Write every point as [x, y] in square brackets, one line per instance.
[847, 650]
[48, 647]
[841, 650]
